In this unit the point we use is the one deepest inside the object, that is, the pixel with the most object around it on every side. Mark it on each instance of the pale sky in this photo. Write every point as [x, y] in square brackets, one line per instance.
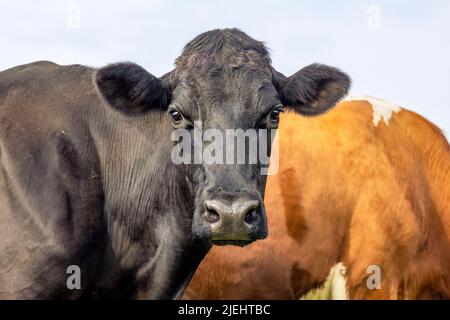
[398, 50]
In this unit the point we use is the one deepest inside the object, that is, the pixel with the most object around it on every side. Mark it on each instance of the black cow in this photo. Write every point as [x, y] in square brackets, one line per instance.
[87, 178]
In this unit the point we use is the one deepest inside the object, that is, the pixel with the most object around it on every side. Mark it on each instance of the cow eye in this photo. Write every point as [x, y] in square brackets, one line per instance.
[176, 117]
[275, 114]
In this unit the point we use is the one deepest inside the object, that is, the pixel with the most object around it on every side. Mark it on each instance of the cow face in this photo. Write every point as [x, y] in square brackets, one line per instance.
[224, 100]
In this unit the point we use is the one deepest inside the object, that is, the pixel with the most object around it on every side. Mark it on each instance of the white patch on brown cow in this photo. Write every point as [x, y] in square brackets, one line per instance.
[339, 286]
[334, 288]
[382, 109]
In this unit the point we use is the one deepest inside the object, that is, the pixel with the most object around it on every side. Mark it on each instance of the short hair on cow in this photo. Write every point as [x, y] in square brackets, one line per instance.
[223, 43]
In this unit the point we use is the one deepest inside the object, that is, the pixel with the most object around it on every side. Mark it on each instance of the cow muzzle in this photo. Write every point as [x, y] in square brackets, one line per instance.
[238, 222]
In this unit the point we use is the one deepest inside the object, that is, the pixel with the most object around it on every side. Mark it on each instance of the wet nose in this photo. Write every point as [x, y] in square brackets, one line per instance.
[239, 222]
[217, 211]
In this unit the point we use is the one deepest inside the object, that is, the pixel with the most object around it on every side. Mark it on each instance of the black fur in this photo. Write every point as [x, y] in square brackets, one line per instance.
[131, 89]
[314, 89]
[221, 43]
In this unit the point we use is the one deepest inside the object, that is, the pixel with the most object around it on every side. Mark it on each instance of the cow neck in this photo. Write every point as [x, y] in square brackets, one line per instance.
[143, 190]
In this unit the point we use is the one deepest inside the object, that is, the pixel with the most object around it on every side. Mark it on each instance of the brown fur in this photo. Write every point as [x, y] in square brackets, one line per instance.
[346, 191]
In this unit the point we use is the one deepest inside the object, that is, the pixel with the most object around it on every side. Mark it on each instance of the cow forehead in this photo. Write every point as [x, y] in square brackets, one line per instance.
[225, 58]
[215, 76]
[229, 92]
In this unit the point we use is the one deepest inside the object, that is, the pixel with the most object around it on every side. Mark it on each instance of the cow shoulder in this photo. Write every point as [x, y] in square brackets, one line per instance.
[46, 151]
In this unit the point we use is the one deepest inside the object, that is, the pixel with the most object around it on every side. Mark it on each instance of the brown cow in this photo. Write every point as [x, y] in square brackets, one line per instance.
[365, 188]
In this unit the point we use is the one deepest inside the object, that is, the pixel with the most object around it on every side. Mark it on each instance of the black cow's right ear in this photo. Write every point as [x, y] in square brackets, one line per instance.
[129, 88]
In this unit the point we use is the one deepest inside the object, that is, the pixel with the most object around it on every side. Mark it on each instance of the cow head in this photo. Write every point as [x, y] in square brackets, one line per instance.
[224, 85]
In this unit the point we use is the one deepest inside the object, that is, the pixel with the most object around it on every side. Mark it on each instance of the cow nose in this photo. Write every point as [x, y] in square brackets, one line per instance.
[241, 211]
[236, 223]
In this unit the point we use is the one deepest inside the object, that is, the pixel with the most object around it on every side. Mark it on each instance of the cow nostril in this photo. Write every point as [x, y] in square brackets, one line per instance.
[250, 216]
[211, 216]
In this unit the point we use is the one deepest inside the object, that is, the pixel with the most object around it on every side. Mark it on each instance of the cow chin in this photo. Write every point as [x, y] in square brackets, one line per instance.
[205, 234]
[237, 243]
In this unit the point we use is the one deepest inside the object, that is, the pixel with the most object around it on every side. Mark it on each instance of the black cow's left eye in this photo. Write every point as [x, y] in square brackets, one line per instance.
[275, 115]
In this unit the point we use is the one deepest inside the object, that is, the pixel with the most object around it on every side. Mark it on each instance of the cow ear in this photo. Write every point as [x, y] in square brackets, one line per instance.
[130, 89]
[312, 90]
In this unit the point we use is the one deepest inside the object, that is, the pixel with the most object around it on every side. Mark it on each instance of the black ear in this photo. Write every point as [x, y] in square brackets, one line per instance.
[129, 88]
[312, 90]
